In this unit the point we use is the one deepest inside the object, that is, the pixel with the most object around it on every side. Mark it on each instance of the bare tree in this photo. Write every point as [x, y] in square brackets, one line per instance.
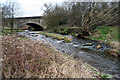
[5, 15]
[0, 20]
[84, 15]
[10, 9]
[119, 13]
[55, 15]
[94, 15]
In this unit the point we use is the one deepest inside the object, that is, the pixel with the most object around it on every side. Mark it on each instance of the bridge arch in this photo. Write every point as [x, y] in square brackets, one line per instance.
[32, 26]
[36, 27]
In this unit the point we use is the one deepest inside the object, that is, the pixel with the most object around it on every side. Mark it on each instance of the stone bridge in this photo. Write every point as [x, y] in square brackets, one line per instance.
[36, 22]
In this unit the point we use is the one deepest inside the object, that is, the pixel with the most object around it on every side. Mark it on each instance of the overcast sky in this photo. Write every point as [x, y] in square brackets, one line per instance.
[33, 7]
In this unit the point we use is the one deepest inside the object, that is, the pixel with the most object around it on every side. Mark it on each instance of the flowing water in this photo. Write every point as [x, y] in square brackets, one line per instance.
[89, 54]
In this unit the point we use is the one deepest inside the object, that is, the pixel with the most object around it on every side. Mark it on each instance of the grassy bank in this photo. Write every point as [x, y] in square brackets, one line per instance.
[35, 59]
[106, 33]
[101, 33]
[57, 36]
[8, 31]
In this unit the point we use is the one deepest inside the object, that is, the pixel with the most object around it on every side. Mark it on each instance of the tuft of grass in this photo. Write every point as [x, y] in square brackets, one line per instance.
[24, 38]
[97, 38]
[106, 76]
[6, 31]
[57, 36]
[67, 39]
[20, 30]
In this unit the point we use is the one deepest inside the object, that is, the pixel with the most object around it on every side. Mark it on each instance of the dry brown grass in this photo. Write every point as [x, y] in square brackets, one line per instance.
[35, 59]
[115, 44]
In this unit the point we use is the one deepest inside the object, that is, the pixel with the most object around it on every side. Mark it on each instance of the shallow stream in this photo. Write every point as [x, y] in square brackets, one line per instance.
[105, 63]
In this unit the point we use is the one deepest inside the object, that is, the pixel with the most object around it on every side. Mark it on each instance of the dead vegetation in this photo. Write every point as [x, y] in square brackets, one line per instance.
[35, 59]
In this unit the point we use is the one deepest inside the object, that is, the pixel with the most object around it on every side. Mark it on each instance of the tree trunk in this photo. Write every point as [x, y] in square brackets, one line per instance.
[83, 34]
[11, 26]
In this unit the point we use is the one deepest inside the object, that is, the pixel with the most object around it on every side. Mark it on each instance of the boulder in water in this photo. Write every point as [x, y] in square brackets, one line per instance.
[88, 44]
[113, 52]
[98, 47]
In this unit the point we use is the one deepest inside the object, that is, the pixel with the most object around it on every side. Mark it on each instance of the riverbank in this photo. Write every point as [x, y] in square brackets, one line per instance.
[108, 35]
[25, 58]
[102, 34]
[7, 31]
